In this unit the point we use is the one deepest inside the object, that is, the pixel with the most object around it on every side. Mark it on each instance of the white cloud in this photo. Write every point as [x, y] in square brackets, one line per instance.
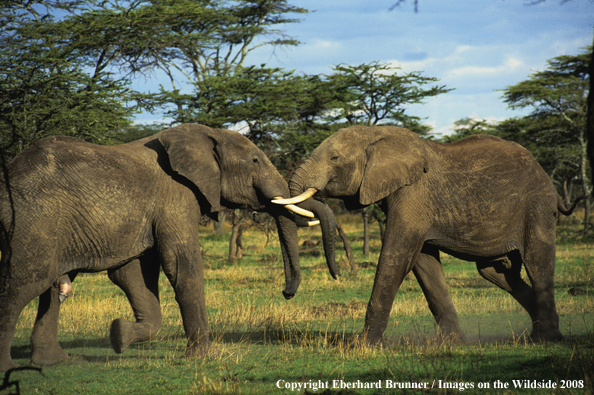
[509, 65]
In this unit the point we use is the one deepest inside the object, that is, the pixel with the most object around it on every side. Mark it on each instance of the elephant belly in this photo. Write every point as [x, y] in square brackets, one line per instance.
[85, 235]
[111, 247]
[493, 239]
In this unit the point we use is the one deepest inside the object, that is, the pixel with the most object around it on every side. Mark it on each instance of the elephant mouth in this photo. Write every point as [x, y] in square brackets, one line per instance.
[290, 205]
[296, 199]
[291, 202]
[326, 220]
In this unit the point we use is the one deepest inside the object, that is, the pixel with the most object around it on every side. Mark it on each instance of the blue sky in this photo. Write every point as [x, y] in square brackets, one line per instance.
[475, 46]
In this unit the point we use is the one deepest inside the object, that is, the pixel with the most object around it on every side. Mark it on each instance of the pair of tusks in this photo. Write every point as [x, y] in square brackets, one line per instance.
[290, 205]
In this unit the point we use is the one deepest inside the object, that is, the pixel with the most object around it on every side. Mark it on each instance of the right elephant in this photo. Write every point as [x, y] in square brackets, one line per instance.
[479, 199]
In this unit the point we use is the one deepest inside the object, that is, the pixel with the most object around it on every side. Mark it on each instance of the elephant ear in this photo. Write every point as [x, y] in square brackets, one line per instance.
[192, 154]
[392, 162]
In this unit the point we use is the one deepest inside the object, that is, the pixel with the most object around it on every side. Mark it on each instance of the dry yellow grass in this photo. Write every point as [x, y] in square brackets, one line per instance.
[244, 299]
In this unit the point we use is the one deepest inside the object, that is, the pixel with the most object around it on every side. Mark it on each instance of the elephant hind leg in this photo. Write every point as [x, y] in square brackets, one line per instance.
[429, 274]
[14, 296]
[539, 260]
[9, 312]
[139, 280]
[506, 274]
[45, 348]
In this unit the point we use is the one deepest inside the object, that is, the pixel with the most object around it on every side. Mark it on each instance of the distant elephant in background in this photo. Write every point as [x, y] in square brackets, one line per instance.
[68, 206]
[480, 199]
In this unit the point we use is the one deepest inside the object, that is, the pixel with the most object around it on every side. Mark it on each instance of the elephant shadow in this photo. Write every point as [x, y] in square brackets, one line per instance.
[24, 351]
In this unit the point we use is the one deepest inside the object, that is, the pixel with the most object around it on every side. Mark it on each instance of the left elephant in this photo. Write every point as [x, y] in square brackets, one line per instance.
[68, 206]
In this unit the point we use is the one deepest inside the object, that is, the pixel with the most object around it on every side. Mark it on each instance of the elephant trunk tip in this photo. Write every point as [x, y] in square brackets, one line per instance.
[291, 288]
[288, 295]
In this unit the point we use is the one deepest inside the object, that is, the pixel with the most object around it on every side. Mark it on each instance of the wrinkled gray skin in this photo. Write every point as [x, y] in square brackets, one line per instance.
[131, 210]
[480, 199]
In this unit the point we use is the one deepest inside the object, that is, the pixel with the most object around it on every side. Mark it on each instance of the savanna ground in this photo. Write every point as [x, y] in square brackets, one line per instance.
[310, 339]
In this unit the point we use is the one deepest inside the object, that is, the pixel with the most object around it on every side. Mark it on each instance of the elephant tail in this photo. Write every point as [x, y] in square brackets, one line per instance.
[568, 211]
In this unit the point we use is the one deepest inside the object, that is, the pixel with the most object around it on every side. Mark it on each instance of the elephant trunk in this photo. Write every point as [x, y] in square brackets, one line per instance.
[287, 234]
[272, 186]
[323, 213]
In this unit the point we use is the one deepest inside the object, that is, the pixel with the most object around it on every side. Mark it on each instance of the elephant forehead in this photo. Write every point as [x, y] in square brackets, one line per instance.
[342, 144]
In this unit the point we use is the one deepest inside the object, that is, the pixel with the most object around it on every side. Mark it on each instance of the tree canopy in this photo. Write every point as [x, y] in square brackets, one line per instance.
[66, 67]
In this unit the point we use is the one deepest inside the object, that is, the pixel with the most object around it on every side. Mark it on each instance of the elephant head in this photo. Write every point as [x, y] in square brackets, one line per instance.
[230, 171]
[358, 167]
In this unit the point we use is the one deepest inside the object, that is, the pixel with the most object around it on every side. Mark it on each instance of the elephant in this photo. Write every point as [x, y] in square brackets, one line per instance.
[481, 199]
[68, 206]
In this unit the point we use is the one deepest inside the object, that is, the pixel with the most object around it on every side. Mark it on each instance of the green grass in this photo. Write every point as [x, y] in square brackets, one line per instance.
[312, 338]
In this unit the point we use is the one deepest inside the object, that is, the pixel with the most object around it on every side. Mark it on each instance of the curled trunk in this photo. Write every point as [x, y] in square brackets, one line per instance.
[327, 223]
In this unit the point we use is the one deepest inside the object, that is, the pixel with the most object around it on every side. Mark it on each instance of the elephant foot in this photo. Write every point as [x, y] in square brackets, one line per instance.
[450, 337]
[372, 340]
[123, 333]
[541, 336]
[203, 351]
[7, 365]
[48, 355]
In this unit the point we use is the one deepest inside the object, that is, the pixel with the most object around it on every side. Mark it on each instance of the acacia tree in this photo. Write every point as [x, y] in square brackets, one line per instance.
[260, 97]
[558, 99]
[375, 93]
[48, 85]
[61, 55]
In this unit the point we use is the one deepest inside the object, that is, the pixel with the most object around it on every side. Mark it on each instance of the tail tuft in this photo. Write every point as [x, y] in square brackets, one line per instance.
[569, 211]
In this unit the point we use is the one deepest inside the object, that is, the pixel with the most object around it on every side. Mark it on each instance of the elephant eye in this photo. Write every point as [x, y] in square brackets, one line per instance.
[334, 158]
[255, 160]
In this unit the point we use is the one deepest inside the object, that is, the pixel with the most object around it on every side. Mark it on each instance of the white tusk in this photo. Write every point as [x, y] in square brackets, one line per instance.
[297, 199]
[304, 224]
[300, 211]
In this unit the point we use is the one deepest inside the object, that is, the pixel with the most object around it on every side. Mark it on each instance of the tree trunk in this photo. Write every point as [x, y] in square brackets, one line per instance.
[382, 226]
[235, 243]
[365, 232]
[585, 187]
[566, 198]
[347, 247]
[590, 116]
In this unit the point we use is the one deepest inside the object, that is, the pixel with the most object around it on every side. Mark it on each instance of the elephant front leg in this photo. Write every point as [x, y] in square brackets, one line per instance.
[399, 252]
[46, 349]
[183, 268]
[429, 274]
[139, 280]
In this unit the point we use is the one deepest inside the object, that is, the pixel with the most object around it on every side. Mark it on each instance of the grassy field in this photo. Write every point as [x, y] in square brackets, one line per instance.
[306, 345]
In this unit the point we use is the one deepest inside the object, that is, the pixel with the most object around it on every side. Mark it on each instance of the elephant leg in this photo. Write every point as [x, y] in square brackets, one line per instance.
[400, 250]
[11, 305]
[15, 294]
[429, 274]
[506, 274]
[539, 261]
[139, 280]
[45, 348]
[182, 264]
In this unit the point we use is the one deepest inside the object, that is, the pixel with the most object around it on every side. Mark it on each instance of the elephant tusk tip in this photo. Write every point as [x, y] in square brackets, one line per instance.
[296, 199]
[300, 211]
